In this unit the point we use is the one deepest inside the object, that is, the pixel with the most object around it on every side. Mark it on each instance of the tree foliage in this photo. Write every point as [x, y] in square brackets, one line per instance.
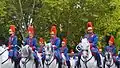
[70, 16]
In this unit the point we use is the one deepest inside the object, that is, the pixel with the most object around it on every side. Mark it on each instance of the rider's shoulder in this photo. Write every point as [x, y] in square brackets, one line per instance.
[95, 34]
[107, 46]
[57, 38]
[15, 36]
[34, 38]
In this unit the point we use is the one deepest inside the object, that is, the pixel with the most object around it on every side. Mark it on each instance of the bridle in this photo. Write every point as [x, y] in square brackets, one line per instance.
[47, 61]
[85, 61]
[27, 59]
[111, 64]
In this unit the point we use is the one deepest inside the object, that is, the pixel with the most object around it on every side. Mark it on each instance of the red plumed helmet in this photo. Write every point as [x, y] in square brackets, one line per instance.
[111, 40]
[41, 40]
[30, 29]
[64, 40]
[53, 30]
[89, 26]
[12, 28]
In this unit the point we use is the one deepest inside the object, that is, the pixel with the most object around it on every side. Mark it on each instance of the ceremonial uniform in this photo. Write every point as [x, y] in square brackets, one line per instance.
[93, 40]
[12, 44]
[42, 49]
[64, 52]
[56, 45]
[32, 42]
[112, 49]
[55, 41]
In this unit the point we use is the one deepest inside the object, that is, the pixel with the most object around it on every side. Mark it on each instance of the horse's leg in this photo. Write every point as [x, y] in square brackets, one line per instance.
[68, 64]
[43, 62]
[36, 63]
[59, 63]
[18, 63]
[117, 64]
[104, 64]
[97, 57]
[78, 62]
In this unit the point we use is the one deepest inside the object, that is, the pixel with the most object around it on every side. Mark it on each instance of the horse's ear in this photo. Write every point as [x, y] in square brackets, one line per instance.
[45, 43]
[81, 39]
[22, 46]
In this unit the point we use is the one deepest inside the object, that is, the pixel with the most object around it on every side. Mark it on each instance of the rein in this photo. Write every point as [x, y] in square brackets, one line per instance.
[27, 59]
[86, 61]
[110, 65]
[4, 61]
[50, 62]
[3, 52]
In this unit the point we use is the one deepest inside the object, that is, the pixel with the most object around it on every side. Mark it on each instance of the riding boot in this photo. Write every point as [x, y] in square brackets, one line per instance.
[78, 62]
[117, 64]
[97, 57]
[36, 63]
[43, 60]
[68, 64]
[104, 63]
[60, 64]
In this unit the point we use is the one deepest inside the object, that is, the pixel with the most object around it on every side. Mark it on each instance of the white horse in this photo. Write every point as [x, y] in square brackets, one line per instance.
[4, 61]
[87, 60]
[50, 61]
[109, 62]
[27, 60]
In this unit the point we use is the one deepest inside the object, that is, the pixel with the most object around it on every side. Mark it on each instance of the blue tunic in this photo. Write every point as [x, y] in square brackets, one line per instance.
[93, 39]
[56, 41]
[32, 42]
[111, 49]
[13, 44]
[65, 51]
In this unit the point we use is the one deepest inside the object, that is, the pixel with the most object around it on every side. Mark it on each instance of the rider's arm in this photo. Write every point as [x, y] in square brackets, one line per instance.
[34, 44]
[14, 43]
[95, 41]
[43, 50]
[65, 51]
[114, 51]
[66, 54]
[57, 43]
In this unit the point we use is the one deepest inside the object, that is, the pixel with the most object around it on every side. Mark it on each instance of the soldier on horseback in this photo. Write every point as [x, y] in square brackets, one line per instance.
[64, 51]
[32, 42]
[12, 46]
[111, 48]
[93, 39]
[42, 49]
[55, 41]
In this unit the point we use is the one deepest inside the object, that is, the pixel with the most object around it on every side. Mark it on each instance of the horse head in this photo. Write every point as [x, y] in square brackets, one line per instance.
[48, 51]
[108, 58]
[85, 47]
[26, 51]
